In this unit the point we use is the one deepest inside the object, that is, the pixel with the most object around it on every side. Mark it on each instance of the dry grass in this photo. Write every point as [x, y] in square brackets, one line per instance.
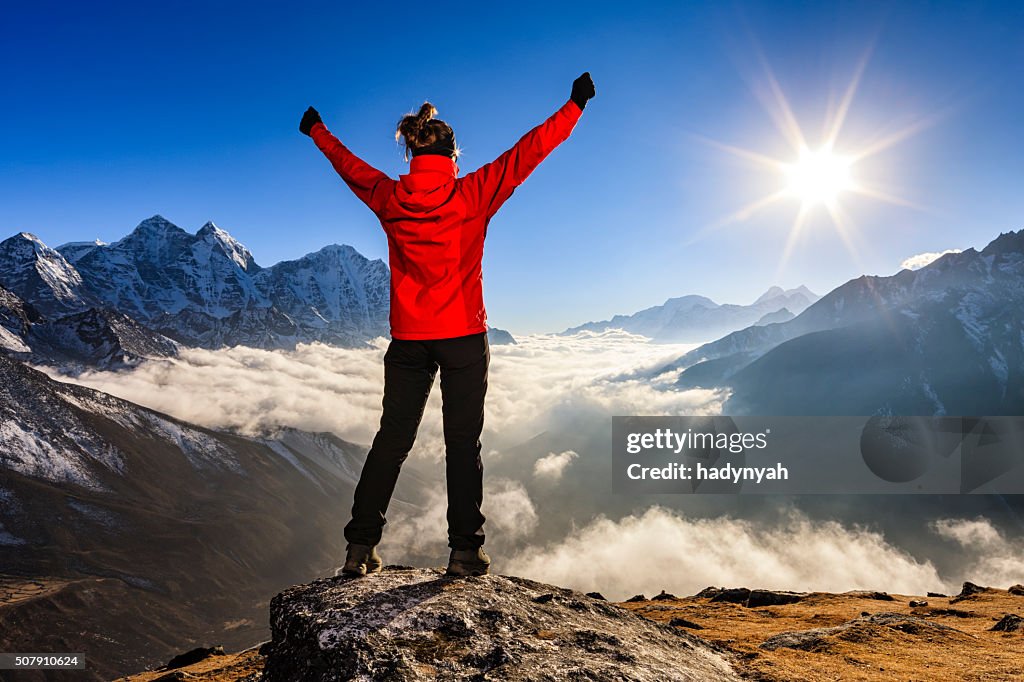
[965, 649]
[969, 650]
[14, 589]
[236, 667]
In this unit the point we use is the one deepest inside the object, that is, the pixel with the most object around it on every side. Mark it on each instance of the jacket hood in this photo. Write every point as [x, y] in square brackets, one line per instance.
[428, 184]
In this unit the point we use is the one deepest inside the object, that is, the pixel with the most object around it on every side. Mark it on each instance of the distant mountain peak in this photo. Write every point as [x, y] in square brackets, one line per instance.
[330, 254]
[689, 301]
[154, 230]
[773, 292]
[94, 242]
[777, 291]
[205, 288]
[1008, 242]
[24, 243]
[337, 248]
[231, 247]
[692, 318]
[803, 290]
[39, 275]
[157, 223]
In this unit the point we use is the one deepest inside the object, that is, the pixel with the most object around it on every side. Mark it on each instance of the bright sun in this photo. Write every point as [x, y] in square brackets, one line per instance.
[818, 177]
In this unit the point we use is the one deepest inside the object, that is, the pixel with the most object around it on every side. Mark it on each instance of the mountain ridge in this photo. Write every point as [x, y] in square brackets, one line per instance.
[691, 318]
[205, 289]
[947, 338]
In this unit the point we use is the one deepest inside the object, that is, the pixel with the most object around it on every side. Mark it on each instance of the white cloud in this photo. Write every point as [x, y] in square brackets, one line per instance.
[566, 385]
[543, 382]
[922, 259]
[994, 559]
[553, 465]
[508, 508]
[661, 549]
[510, 514]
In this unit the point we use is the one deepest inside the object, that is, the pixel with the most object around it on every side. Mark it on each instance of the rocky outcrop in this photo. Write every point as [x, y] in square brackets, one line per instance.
[750, 598]
[194, 656]
[416, 624]
[1011, 622]
[967, 591]
[860, 629]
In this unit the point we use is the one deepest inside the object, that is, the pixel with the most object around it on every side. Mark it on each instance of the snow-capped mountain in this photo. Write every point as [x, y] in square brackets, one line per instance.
[72, 251]
[687, 319]
[204, 289]
[41, 276]
[161, 269]
[207, 290]
[945, 339]
[335, 292]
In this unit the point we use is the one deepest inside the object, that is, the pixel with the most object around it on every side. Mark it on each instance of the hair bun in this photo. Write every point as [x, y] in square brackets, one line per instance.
[421, 131]
[426, 112]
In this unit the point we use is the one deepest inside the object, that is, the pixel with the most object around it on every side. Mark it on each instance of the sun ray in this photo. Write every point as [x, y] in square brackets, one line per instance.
[892, 139]
[794, 233]
[819, 176]
[749, 155]
[880, 195]
[839, 118]
[750, 209]
[775, 103]
[846, 232]
[737, 216]
[783, 117]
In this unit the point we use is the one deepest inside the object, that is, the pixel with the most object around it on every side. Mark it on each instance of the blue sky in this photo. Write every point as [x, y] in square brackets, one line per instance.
[115, 112]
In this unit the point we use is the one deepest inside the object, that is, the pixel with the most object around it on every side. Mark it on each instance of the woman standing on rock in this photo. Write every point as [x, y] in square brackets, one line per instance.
[435, 222]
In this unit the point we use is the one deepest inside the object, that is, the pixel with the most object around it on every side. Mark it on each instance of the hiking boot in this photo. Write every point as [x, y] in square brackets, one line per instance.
[465, 562]
[360, 560]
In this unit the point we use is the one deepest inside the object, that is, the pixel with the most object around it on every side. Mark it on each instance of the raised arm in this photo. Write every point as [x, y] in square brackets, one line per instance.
[369, 184]
[488, 187]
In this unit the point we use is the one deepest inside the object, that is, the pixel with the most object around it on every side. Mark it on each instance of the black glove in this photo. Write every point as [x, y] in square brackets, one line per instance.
[582, 90]
[309, 119]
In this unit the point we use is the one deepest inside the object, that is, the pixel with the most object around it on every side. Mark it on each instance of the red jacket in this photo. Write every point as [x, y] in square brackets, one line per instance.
[436, 221]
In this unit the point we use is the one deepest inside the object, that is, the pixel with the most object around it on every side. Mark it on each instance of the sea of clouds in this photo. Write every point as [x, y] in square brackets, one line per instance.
[587, 539]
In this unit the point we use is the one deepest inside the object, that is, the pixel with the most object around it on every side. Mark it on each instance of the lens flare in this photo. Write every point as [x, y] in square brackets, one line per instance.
[818, 177]
[815, 176]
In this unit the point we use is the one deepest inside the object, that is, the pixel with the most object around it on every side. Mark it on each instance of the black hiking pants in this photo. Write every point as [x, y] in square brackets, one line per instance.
[409, 370]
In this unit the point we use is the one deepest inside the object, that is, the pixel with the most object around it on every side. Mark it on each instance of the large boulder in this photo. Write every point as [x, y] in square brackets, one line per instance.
[416, 624]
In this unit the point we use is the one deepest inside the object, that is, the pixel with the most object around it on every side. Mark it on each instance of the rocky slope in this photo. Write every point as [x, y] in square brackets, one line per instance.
[96, 337]
[945, 339]
[93, 337]
[16, 319]
[150, 534]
